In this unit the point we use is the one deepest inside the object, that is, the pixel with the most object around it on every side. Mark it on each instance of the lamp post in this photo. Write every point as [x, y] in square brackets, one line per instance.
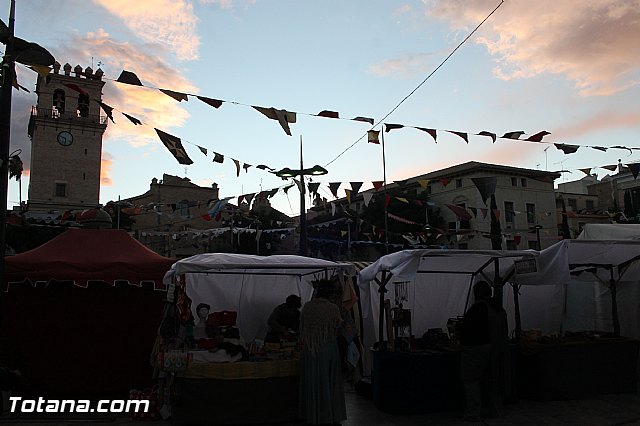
[302, 172]
[537, 229]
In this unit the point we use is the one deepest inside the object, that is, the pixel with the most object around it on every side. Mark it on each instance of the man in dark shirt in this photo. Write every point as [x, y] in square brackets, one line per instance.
[483, 337]
[284, 320]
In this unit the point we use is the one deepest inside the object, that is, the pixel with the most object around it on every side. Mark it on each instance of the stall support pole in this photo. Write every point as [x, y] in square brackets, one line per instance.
[614, 306]
[497, 282]
[516, 304]
[382, 290]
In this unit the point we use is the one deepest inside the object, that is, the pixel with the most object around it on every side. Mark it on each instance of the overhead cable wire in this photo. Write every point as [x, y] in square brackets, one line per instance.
[419, 85]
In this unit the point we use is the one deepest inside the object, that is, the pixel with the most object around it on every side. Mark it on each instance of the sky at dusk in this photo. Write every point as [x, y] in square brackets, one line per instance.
[571, 68]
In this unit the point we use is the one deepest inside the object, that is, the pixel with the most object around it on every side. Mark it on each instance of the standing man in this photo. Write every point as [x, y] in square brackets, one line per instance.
[483, 361]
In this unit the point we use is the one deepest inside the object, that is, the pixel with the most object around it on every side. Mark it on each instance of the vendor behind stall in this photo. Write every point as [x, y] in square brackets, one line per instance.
[284, 320]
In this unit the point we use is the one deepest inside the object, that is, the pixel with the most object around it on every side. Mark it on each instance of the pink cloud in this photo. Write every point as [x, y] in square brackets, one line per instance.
[594, 45]
[600, 122]
[405, 65]
[171, 23]
[150, 106]
[105, 169]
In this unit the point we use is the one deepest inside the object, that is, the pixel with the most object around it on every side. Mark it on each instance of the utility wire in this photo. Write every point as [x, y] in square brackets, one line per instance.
[420, 85]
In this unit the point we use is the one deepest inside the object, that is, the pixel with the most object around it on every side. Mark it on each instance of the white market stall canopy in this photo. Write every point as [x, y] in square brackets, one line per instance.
[441, 281]
[251, 285]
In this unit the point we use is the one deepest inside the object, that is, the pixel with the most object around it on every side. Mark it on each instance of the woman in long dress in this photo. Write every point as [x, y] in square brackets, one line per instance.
[321, 386]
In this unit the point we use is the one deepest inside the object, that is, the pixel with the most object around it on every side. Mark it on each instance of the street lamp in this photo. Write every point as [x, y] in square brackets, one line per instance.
[537, 229]
[302, 172]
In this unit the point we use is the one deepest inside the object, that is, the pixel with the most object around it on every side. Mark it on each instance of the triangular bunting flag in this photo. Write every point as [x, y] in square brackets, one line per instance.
[174, 145]
[464, 136]
[387, 200]
[460, 212]
[484, 212]
[328, 114]
[567, 149]
[218, 158]
[237, 163]
[486, 186]
[212, 102]
[240, 199]
[355, 187]
[298, 184]
[485, 133]
[249, 197]
[635, 168]
[283, 117]
[263, 167]
[538, 136]
[432, 132]
[444, 182]
[377, 184]
[202, 150]
[313, 187]
[365, 119]
[372, 136]
[333, 187]
[390, 127]
[287, 188]
[128, 77]
[513, 135]
[404, 200]
[496, 213]
[600, 148]
[617, 146]
[132, 119]
[348, 193]
[423, 183]
[107, 110]
[367, 196]
[246, 166]
[612, 167]
[175, 95]
[42, 70]
[586, 171]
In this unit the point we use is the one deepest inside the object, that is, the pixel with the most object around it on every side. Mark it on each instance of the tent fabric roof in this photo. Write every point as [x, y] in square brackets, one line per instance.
[610, 231]
[83, 255]
[407, 263]
[251, 264]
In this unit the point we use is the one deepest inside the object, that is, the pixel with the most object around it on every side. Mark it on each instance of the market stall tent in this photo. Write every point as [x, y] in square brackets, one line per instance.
[440, 283]
[80, 313]
[251, 285]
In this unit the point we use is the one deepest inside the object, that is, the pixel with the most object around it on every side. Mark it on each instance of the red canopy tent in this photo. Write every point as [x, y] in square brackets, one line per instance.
[81, 312]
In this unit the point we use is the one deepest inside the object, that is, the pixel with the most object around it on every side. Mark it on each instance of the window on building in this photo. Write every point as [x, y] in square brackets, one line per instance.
[531, 213]
[509, 212]
[183, 209]
[464, 224]
[58, 101]
[83, 105]
[523, 182]
[61, 189]
[514, 181]
[589, 205]
[458, 183]
[572, 203]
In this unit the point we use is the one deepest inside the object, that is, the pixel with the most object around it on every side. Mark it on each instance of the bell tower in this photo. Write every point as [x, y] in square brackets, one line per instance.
[66, 131]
